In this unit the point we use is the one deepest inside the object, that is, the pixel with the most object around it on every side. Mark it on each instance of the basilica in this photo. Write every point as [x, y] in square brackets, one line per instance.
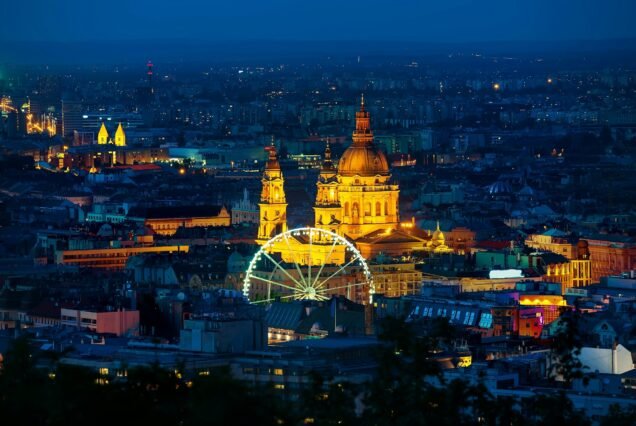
[355, 199]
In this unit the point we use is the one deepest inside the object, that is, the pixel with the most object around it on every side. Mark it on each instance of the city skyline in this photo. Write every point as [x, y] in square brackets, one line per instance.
[355, 213]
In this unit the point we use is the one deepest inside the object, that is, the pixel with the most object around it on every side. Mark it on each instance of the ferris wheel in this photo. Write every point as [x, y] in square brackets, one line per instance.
[307, 264]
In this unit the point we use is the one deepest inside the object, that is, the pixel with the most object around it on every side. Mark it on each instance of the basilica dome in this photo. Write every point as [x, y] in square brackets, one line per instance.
[363, 160]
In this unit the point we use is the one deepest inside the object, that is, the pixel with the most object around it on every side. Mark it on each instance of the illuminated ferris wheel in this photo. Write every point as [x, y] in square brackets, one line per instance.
[307, 264]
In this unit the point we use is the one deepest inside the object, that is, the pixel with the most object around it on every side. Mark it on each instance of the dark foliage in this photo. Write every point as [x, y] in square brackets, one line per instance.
[408, 389]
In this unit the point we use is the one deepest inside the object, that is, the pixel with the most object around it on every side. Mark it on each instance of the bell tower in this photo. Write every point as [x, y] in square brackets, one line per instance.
[120, 136]
[102, 136]
[273, 203]
[327, 207]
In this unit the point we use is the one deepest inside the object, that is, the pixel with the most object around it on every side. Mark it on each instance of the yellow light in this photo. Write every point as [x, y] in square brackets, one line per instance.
[549, 81]
[182, 171]
[496, 86]
[464, 361]
[541, 300]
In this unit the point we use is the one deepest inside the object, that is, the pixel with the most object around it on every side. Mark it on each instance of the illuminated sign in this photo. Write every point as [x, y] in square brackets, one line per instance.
[541, 300]
[506, 273]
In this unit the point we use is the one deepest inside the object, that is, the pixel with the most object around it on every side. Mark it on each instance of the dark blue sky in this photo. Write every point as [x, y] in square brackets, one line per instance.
[412, 20]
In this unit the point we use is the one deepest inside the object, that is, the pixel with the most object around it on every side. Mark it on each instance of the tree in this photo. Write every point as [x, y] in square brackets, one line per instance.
[566, 348]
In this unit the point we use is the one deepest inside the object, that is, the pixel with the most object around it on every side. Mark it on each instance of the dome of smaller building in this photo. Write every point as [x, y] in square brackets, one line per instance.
[438, 236]
[526, 191]
[499, 188]
[106, 230]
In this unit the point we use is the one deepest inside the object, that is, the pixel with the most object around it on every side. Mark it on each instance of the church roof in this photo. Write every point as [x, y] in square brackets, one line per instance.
[382, 237]
[102, 136]
[120, 136]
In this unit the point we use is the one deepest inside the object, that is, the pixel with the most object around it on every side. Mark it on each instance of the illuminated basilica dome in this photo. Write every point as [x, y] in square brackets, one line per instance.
[362, 158]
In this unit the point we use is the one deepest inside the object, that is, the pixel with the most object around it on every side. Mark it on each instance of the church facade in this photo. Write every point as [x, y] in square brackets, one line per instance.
[355, 199]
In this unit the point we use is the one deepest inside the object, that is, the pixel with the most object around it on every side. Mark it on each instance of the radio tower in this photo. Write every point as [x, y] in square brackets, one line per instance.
[149, 74]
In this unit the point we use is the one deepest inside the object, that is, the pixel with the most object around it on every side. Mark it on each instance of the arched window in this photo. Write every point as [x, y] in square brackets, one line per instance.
[386, 208]
[378, 209]
[346, 212]
[367, 209]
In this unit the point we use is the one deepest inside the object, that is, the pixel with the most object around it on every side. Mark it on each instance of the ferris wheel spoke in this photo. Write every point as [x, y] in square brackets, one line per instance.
[309, 260]
[326, 289]
[313, 284]
[300, 273]
[340, 269]
[256, 277]
[320, 297]
[283, 270]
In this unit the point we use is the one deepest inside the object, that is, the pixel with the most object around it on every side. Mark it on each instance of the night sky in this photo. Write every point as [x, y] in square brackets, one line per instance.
[412, 20]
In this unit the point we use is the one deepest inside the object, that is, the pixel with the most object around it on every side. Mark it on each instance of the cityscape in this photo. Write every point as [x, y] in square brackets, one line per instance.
[349, 214]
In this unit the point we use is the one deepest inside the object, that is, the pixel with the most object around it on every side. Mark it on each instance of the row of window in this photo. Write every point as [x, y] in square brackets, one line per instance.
[455, 314]
[270, 371]
[82, 320]
[367, 209]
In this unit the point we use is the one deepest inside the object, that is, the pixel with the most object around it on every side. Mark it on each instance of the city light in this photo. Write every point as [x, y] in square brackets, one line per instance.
[319, 215]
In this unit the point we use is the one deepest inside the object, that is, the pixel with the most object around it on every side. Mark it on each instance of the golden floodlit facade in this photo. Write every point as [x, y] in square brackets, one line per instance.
[273, 203]
[357, 198]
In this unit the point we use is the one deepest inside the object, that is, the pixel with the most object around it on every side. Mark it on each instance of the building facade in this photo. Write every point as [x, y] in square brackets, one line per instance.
[358, 197]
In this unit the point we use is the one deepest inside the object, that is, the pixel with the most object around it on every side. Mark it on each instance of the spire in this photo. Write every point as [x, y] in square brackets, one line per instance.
[102, 136]
[272, 160]
[438, 226]
[327, 164]
[120, 136]
[362, 135]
